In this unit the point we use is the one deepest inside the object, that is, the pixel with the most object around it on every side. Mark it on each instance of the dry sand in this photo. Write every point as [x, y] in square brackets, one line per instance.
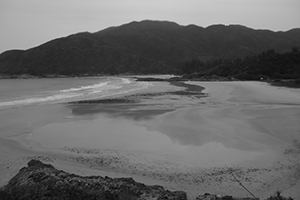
[247, 129]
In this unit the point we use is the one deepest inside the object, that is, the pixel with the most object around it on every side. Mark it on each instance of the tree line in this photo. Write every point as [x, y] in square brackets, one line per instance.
[266, 65]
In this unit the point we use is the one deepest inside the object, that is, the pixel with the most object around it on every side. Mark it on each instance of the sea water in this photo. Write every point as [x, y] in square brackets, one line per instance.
[25, 92]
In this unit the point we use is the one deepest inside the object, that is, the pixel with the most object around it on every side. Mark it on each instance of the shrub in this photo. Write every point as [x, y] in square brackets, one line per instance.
[277, 196]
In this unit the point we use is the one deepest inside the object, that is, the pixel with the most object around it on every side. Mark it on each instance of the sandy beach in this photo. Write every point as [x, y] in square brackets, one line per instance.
[179, 137]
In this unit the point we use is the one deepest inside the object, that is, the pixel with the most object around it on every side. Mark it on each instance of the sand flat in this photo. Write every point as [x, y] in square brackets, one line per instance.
[249, 128]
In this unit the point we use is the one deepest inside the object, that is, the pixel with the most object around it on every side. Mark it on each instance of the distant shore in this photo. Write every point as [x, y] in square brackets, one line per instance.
[288, 83]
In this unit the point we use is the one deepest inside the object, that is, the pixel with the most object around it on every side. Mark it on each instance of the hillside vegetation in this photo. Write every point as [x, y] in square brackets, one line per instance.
[146, 47]
[266, 65]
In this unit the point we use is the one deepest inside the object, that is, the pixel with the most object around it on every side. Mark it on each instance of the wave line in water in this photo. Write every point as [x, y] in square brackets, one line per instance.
[28, 101]
[143, 85]
[85, 87]
[109, 87]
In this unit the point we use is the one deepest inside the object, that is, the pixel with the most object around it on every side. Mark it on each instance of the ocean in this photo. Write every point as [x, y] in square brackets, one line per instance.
[25, 92]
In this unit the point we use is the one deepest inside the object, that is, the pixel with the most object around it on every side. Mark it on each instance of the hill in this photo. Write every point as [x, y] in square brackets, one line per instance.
[142, 48]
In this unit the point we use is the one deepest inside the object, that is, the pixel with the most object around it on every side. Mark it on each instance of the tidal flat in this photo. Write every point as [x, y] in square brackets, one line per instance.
[178, 136]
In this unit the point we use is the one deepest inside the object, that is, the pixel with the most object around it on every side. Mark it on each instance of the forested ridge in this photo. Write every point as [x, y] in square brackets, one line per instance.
[266, 65]
[156, 47]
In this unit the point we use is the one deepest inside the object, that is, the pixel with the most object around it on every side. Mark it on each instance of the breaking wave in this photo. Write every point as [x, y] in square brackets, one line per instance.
[105, 88]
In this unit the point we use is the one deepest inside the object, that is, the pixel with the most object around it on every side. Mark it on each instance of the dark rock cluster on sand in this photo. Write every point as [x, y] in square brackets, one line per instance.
[43, 181]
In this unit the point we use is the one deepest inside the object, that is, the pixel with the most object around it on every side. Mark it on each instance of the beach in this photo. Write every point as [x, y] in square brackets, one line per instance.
[200, 137]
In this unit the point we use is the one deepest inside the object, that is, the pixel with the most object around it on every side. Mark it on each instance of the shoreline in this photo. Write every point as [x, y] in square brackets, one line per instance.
[178, 174]
[287, 83]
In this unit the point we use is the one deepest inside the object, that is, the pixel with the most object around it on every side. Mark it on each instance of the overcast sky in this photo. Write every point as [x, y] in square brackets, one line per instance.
[28, 23]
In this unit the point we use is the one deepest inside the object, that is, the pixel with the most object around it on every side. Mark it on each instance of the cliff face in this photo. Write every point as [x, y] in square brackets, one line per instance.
[143, 47]
[43, 181]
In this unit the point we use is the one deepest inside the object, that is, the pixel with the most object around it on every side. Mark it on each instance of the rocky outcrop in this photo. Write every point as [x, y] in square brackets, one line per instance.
[43, 181]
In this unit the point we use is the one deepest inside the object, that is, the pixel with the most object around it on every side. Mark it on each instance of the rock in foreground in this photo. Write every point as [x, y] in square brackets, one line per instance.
[43, 181]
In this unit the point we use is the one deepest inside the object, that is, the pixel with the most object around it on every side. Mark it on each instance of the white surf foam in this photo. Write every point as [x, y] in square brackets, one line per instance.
[111, 87]
[28, 101]
[89, 87]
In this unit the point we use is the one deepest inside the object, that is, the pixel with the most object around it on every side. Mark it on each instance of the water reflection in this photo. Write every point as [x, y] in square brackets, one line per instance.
[198, 126]
[162, 135]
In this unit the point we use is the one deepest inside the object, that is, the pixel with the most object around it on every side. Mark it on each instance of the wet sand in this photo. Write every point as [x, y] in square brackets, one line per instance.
[181, 140]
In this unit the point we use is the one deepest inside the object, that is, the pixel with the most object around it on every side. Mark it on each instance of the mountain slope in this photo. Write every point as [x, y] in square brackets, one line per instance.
[143, 47]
